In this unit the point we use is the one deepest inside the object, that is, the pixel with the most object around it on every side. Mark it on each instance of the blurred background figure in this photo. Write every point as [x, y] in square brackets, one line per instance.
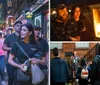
[82, 81]
[8, 32]
[2, 60]
[74, 63]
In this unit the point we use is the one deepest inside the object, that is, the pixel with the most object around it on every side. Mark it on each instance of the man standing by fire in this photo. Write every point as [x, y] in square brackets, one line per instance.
[58, 25]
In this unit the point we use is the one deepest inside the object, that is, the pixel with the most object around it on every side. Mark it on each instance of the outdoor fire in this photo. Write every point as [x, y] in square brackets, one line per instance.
[96, 17]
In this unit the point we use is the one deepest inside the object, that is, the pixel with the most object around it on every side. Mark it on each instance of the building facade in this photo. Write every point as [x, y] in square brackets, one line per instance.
[35, 12]
[66, 49]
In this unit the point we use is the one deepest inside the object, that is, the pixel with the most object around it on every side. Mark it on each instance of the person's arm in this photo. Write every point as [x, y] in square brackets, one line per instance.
[12, 56]
[46, 52]
[38, 61]
[10, 61]
[77, 38]
[6, 48]
[68, 71]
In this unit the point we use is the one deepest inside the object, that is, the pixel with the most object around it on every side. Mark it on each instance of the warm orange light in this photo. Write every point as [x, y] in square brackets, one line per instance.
[98, 30]
[96, 17]
[53, 12]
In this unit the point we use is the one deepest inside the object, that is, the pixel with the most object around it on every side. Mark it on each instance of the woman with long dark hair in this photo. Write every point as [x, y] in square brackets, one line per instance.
[29, 45]
[82, 81]
[77, 25]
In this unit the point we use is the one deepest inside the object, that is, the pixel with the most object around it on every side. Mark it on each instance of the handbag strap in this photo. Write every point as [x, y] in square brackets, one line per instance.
[23, 50]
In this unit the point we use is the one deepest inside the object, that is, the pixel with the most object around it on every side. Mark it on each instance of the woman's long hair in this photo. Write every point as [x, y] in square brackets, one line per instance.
[73, 11]
[32, 39]
[83, 62]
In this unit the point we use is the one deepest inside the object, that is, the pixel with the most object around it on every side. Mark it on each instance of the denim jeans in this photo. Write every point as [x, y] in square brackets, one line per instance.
[2, 67]
[11, 73]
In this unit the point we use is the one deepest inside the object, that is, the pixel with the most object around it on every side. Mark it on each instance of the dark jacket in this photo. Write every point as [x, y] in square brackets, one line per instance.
[75, 28]
[58, 31]
[59, 70]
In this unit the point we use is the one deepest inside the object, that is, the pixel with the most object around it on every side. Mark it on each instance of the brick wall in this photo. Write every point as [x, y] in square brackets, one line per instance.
[70, 47]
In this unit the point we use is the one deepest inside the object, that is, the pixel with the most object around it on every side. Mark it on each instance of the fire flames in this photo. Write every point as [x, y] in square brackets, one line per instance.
[96, 17]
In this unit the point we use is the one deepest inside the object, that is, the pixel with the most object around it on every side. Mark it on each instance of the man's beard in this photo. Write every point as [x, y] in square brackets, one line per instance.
[62, 19]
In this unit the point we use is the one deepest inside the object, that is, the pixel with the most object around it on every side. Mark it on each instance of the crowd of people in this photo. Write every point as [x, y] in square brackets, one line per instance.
[79, 72]
[73, 28]
[28, 37]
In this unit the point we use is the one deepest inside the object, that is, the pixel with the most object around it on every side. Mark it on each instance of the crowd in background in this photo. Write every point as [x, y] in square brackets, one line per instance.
[78, 72]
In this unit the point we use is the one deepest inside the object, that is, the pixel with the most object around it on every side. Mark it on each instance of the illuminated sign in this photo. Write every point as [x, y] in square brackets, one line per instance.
[28, 15]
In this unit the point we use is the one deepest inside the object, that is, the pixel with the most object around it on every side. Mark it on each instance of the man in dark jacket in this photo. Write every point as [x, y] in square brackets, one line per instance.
[97, 73]
[59, 69]
[59, 24]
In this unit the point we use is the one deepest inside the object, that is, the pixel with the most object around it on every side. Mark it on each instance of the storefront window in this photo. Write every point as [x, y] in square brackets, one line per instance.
[58, 45]
[82, 45]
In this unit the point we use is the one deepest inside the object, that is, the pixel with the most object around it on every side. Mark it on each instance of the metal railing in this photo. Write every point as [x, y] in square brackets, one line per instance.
[92, 52]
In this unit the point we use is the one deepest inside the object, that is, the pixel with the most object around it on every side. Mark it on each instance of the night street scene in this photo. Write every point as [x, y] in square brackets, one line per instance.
[75, 20]
[75, 63]
[24, 38]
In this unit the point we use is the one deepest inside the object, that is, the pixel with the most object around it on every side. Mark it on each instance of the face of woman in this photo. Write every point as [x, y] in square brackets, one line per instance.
[25, 32]
[77, 12]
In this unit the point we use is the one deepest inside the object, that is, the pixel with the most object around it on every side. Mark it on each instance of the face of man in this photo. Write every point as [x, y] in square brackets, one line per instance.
[63, 14]
[77, 12]
[17, 27]
[74, 53]
[8, 32]
[37, 32]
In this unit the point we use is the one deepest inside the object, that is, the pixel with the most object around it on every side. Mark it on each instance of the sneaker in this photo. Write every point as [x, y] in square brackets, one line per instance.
[3, 83]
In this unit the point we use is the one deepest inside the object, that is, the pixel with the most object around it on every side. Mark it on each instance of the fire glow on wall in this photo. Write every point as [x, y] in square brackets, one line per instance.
[96, 17]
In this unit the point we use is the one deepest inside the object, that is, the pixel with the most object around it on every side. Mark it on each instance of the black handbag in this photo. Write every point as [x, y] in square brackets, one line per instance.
[23, 76]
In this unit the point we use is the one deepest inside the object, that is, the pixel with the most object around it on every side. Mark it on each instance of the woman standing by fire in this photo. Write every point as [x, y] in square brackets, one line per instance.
[78, 26]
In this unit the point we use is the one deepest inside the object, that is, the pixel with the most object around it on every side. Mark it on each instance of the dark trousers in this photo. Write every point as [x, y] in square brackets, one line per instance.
[11, 73]
[97, 83]
[83, 82]
[92, 82]
[2, 67]
[16, 82]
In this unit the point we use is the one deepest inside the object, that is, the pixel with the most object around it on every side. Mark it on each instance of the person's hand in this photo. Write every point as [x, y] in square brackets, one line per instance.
[22, 67]
[35, 61]
[77, 38]
[84, 29]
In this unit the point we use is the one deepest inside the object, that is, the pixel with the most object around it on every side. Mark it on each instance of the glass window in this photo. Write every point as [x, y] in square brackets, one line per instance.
[58, 45]
[82, 45]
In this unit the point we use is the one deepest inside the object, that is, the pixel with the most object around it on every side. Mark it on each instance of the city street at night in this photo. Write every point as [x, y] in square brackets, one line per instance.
[25, 22]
